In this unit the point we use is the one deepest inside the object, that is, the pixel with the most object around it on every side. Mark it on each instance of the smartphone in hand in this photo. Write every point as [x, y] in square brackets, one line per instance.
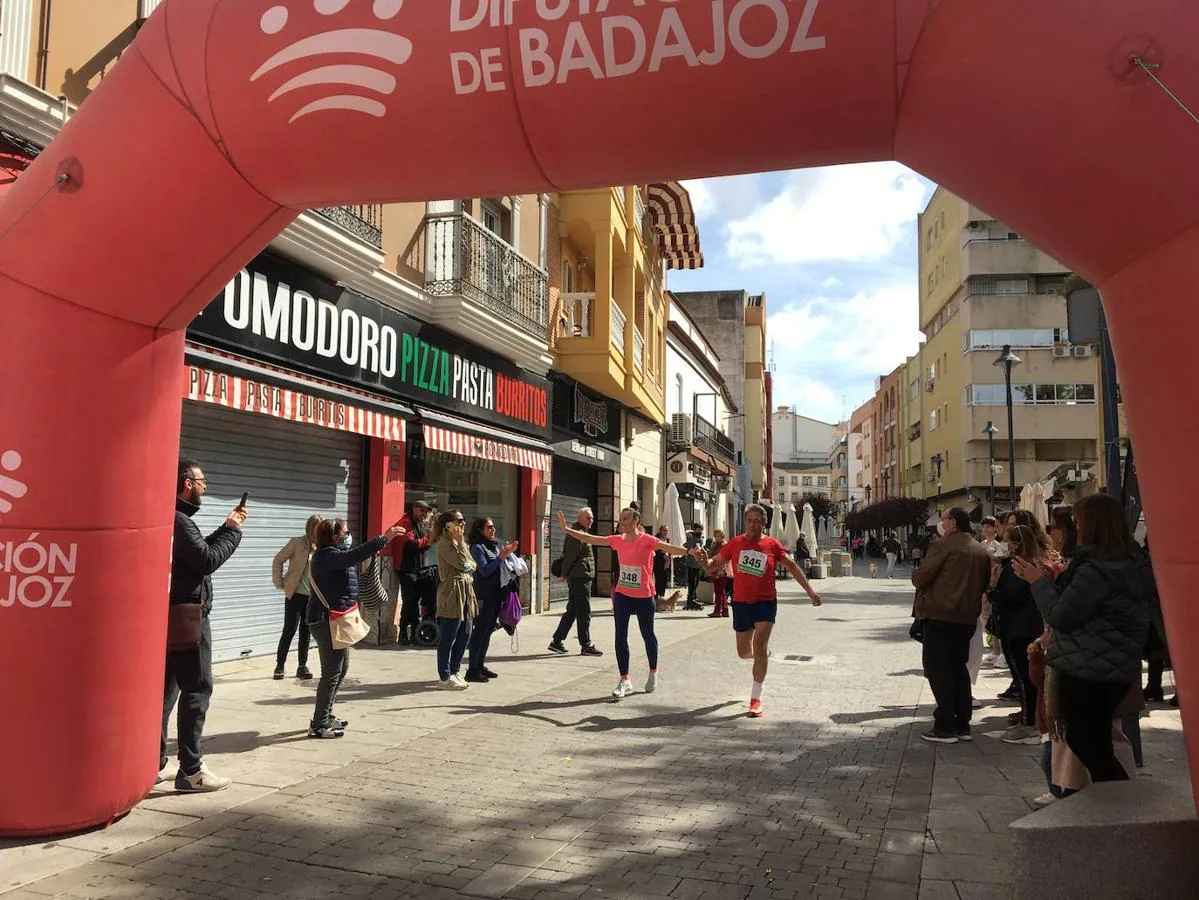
[245, 497]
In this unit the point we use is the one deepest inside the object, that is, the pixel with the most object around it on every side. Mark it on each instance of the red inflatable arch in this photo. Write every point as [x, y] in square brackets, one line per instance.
[226, 117]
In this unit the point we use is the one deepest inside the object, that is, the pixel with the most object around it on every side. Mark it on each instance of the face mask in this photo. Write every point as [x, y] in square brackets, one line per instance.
[347, 541]
[941, 529]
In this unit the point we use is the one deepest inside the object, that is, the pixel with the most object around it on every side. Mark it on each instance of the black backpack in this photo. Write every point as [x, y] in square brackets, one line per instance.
[556, 567]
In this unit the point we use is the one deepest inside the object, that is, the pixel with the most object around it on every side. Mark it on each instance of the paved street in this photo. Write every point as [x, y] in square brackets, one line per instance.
[539, 787]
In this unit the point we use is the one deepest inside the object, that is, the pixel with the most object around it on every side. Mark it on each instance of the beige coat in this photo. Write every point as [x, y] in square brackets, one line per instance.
[295, 554]
[455, 581]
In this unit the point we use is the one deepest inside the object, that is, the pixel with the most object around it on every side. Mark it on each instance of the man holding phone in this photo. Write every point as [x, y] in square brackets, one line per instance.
[189, 671]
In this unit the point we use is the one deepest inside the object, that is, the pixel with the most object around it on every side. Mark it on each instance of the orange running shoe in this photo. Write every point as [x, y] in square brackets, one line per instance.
[755, 709]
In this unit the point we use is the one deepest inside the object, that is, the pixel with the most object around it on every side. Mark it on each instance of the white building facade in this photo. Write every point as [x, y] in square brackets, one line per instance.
[701, 457]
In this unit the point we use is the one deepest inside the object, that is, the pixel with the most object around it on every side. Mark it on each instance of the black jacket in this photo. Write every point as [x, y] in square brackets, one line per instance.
[578, 559]
[1014, 613]
[335, 572]
[194, 558]
[1099, 612]
[487, 576]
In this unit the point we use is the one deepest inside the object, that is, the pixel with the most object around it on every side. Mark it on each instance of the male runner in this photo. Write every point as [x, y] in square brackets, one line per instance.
[755, 601]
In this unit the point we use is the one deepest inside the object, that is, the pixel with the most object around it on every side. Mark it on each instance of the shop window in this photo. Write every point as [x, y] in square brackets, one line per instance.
[476, 487]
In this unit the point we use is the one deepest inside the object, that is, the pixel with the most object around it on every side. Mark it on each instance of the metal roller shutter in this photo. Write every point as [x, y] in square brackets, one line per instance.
[291, 471]
[573, 488]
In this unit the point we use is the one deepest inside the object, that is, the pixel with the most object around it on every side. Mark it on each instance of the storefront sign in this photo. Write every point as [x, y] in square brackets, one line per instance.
[585, 417]
[277, 311]
[232, 391]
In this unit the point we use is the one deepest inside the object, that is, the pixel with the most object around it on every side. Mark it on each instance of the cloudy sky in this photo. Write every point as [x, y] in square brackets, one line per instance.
[834, 250]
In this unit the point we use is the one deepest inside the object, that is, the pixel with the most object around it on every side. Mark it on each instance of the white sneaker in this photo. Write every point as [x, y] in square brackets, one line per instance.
[164, 775]
[976, 704]
[203, 782]
[651, 683]
[458, 682]
[623, 688]
[1043, 801]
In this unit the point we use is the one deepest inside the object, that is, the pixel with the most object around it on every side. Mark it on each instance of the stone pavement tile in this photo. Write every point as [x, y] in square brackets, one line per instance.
[24, 864]
[898, 867]
[973, 843]
[908, 842]
[201, 805]
[964, 820]
[973, 890]
[907, 820]
[938, 890]
[74, 878]
[140, 825]
[962, 867]
[892, 890]
[140, 853]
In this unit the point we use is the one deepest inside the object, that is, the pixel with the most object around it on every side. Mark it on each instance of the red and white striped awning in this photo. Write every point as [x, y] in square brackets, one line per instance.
[203, 385]
[474, 447]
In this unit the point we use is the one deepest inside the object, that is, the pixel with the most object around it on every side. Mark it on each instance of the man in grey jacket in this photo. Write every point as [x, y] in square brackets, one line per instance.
[578, 568]
[949, 589]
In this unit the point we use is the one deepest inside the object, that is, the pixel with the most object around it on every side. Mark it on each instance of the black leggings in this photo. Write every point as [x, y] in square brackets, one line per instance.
[623, 609]
[1015, 651]
[1088, 708]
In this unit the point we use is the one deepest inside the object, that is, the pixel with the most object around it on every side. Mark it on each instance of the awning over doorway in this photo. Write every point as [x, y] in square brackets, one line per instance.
[462, 437]
[236, 383]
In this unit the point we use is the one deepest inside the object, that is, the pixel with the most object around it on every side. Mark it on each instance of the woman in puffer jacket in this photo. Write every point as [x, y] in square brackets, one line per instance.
[1098, 612]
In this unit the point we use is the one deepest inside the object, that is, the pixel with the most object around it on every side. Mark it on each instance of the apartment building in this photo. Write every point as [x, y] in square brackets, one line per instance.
[735, 323]
[885, 449]
[983, 287]
[862, 424]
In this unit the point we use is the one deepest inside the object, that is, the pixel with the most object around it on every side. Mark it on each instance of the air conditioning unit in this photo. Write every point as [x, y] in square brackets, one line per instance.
[930, 384]
[1082, 352]
[1061, 352]
[681, 429]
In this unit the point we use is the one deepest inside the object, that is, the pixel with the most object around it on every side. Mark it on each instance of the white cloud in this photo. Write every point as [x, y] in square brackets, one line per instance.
[825, 349]
[848, 214]
[725, 197]
[831, 282]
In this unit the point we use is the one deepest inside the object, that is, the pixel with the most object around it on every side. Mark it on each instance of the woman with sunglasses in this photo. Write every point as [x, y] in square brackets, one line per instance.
[492, 560]
[457, 605]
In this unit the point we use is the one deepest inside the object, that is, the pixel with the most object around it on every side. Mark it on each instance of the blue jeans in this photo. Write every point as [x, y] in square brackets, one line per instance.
[455, 634]
[480, 639]
[1047, 768]
[623, 609]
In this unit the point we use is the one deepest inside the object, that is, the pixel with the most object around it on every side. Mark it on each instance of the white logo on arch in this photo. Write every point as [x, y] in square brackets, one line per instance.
[373, 42]
[10, 488]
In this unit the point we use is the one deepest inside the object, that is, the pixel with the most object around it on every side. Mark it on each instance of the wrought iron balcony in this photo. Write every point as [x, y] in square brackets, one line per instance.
[710, 439]
[365, 222]
[467, 260]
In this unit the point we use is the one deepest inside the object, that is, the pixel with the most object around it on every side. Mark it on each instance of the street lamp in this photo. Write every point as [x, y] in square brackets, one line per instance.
[990, 431]
[867, 493]
[886, 485]
[938, 461]
[1006, 360]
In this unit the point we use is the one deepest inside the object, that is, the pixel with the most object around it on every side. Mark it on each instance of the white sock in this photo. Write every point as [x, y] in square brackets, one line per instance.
[755, 692]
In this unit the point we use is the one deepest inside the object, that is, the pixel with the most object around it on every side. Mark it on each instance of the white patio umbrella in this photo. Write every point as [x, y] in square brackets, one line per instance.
[674, 520]
[791, 531]
[808, 527]
[776, 523]
[674, 515]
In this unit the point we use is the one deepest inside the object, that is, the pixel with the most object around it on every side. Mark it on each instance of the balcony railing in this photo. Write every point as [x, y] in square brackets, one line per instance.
[638, 349]
[618, 322]
[365, 222]
[712, 440]
[577, 310]
[640, 212]
[468, 260]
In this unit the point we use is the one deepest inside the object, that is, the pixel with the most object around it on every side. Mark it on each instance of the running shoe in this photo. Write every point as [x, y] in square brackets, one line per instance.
[651, 683]
[939, 737]
[1044, 800]
[557, 647]
[623, 688]
[755, 709]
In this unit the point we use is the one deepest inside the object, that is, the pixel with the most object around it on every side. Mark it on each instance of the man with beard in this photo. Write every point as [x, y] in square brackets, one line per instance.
[189, 671]
[412, 560]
